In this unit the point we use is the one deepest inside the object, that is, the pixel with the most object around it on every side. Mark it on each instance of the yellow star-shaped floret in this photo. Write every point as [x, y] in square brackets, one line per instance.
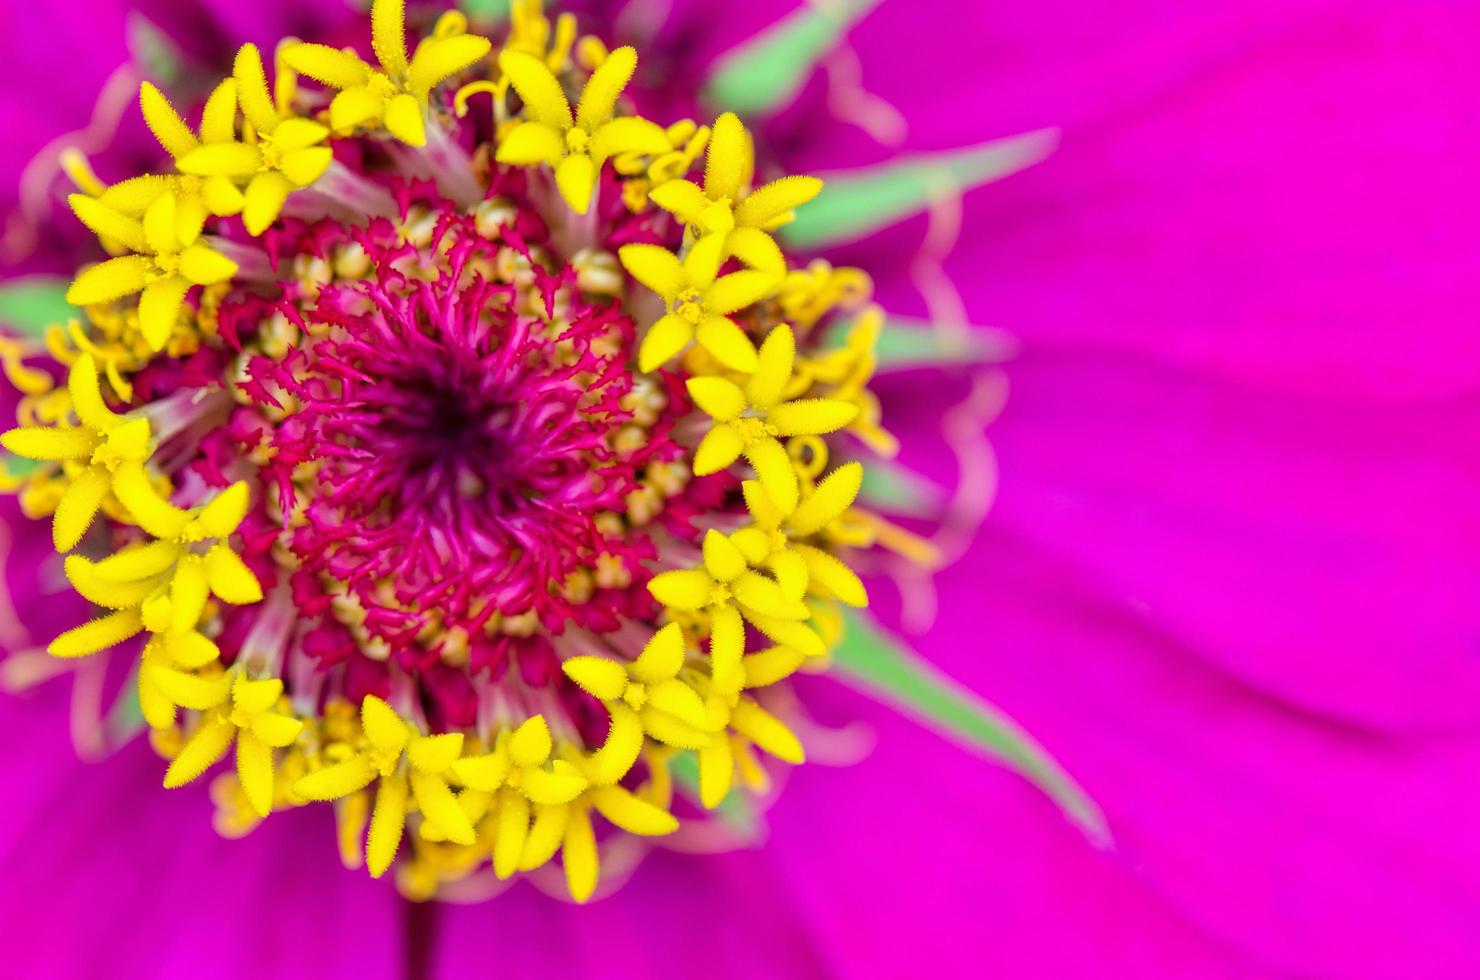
[168, 261]
[698, 300]
[278, 153]
[727, 207]
[751, 420]
[91, 452]
[776, 539]
[518, 773]
[397, 94]
[409, 765]
[575, 146]
[239, 709]
[645, 695]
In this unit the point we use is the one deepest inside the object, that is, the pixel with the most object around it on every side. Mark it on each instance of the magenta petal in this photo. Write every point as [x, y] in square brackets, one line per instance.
[1304, 846]
[107, 874]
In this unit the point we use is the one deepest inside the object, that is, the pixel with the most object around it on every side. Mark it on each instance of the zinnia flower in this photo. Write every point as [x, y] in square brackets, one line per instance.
[478, 473]
[920, 859]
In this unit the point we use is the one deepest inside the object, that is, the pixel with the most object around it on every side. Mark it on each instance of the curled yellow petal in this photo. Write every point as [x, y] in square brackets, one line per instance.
[632, 813]
[99, 634]
[208, 744]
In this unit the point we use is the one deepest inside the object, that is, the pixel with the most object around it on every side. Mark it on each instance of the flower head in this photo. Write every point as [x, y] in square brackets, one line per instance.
[489, 478]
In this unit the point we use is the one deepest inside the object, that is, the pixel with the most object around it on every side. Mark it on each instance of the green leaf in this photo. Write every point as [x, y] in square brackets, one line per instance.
[766, 72]
[485, 12]
[153, 50]
[737, 810]
[126, 718]
[19, 465]
[880, 666]
[906, 343]
[899, 490]
[29, 305]
[855, 204]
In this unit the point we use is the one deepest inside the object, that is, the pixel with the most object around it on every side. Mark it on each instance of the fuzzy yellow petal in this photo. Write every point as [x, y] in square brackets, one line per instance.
[251, 89]
[599, 98]
[264, 201]
[107, 223]
[603, 679]
[552, 786]
[738, 290]
[726, 649]
[630, 134]
[720, 447]
[134, 489]
[832, 574]
[766, 731]
[355, 107]
[337, 781]
[388, 35]
[828, 500]
[529, 143]
[110, 595]
[440, 807]
[686, 588]
[218, 119]
[716, 772]
[383, 727]
[544, 101]
[159, 309]
[304, 166]
[655, 267]
[387, 824]
[758, 250]
[682, 198]
[109, 280]
[405, 120]
[164, 122]
[723, 338]
[811, 416]
[512, 830]
[530, 744]
[545, 836]
[435, 753]
[624, 741]
[335, 68]
[661, 657]
[775, 199]
[632, 813]
[223, 514]
[775, 470]
[728, 158]
[439, 58]
[720, 398]
[205, 267]
[578, 853]
[722, 560]
[222, 159]
[98, 634]
[50, 442]
[254, 771]
[773, 369]
[230, 578]
[576, 178]
[188, 593]
[665, 338]
[762, 509]
[483, 772]
[758, 592]
[208, 744]
[771, 665]
[138, 562]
